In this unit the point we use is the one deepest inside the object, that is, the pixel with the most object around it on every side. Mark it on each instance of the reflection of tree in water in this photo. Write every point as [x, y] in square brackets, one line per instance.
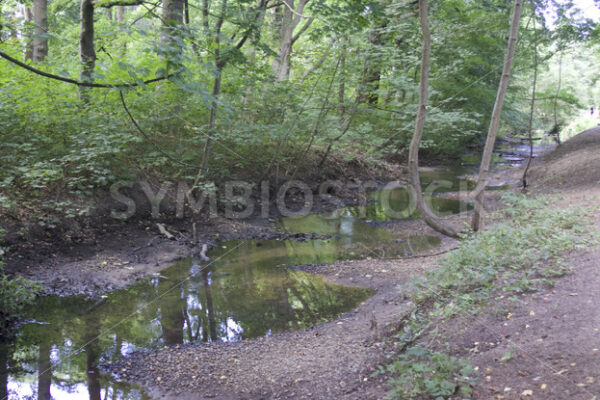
[3, 371]
[44, 369]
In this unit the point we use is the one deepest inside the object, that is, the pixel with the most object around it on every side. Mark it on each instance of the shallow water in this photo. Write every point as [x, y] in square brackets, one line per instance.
[246, 292]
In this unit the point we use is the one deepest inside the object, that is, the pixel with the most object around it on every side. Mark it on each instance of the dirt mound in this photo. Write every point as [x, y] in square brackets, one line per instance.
[576, 163]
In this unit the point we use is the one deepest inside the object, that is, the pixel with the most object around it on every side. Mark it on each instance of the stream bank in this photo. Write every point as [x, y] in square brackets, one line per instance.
[335, 238]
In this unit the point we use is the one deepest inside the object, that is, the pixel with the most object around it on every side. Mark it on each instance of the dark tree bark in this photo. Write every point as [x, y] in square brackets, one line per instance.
[495, 120]
[87, 53]
[372, 72]
[44, 371]
[3, 371]
[40, 19]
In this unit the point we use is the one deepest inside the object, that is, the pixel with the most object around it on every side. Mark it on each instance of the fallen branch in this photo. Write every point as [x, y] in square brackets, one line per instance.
[165, 232]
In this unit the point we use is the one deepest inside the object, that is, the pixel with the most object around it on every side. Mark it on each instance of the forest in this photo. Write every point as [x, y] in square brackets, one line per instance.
[192, 172]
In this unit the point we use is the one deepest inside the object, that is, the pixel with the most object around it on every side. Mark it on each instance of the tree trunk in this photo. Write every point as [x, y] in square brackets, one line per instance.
[28, 33]
[172, 15]
[40, 19]
[556, 128]
[495, 120]
[372, 70]
[120, 13]
[87, 54]
[413, 155]
[109, 13]
[342, 82]
[44, 370]
[530, 125]
[291, 18]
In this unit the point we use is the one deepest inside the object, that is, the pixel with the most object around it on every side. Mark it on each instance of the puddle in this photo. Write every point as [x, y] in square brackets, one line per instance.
[245, 293]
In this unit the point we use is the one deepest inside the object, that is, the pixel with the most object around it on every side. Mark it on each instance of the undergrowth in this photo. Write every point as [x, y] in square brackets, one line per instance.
[522, 251]
[15, 293]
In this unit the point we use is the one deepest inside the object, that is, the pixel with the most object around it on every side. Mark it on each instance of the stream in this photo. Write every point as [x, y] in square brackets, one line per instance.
[251, 289]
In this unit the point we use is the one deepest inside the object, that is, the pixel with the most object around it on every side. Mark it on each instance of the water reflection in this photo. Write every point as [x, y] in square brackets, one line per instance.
[245, 293]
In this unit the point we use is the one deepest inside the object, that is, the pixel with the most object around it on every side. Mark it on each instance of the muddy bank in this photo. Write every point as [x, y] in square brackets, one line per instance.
[329, 360]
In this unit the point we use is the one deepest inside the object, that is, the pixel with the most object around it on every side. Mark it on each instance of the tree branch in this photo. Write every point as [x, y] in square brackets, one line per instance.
[139, 128]
[303, 29]
[79, 83]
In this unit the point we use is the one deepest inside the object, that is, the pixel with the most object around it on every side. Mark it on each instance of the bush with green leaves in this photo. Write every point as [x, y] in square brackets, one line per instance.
[524, 249]
[420, 373]
[15, 294]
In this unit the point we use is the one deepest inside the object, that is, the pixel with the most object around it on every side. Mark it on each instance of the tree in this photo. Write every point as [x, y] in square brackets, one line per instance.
[87, 53]
[292, 15]
[413, 158]
[28, 33]
[172, 16]
[40, 31]
[484, 168]
[532, 107]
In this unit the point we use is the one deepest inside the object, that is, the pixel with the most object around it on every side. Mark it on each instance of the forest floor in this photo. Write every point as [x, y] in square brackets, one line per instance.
[552, 335]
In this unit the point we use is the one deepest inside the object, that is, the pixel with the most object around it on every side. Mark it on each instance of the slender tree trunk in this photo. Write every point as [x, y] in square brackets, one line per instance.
[120, 13]
[556, 128]
[28, 33]
[530, 125]
[212, 119]
[87, 53]
[372, 73]
[413, 155]
[342, 82]
[478, 193]
[109, 13]
[40, 19]
[44, 371]
[4, 356]
[186, 12]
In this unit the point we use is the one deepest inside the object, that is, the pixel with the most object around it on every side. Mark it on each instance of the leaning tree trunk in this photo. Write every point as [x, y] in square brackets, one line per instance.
[478, 193]
[413, 154]
[87, 54]
[40, 19]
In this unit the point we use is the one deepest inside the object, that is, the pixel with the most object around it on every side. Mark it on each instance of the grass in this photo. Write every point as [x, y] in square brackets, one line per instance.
[524, 250]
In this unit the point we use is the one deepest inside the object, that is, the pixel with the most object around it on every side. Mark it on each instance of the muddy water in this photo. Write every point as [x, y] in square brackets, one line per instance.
[248, 291]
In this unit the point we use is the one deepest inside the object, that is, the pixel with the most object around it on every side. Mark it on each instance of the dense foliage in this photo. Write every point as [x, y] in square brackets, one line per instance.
[15, 294]
[348, 90]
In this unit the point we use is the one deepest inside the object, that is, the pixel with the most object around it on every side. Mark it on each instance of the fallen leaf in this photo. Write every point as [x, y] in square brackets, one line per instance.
[527, 393]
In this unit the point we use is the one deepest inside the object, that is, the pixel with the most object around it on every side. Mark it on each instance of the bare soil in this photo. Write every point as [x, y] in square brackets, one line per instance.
[543, 345]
